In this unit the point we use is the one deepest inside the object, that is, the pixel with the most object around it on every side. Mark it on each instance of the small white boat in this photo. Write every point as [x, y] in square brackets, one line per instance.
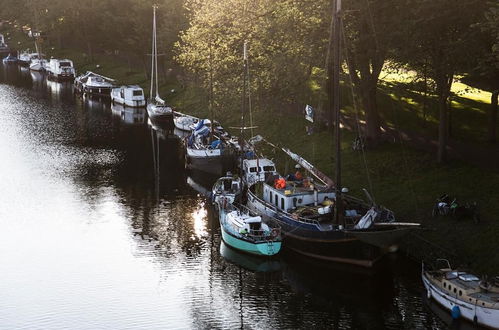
[228, 187]
[185, 122]
[129, 95]
[463, 294]
[24, 58]
[61, 69]
[94, 84]
[38, 64]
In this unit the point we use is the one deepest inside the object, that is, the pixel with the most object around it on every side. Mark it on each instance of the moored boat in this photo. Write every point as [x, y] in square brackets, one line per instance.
[159, 113]
[247, 232]
[129, 95]
[61, 69]
[38, 64]
[185, 122]
[92, 83]
[10, 59]
[463, 294]
[228, 187]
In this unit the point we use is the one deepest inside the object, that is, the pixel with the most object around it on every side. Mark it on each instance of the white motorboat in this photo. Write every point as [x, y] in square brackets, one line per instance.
[38, 64]
[92, 83]
[228, 187]
[258, 170]
[463, 294]
[61, 69]
[129, 95]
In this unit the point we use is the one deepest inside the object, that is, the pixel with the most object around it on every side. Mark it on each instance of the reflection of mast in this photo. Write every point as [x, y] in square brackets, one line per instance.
[156, 158]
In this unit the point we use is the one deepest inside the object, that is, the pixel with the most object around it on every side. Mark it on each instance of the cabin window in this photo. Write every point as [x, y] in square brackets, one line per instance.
[294, 201]
[268, 168]
[455, 290]
[276, 200]
[460, 292]
[137, 93]
[270, 197]
[252, 169]
[64, 64]
[445, 285]
[282, 203]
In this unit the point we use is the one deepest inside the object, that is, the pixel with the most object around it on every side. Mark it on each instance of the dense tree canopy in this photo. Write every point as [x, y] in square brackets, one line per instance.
[289, 43]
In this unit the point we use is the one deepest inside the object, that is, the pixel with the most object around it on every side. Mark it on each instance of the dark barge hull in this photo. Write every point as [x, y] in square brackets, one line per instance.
[213, 165]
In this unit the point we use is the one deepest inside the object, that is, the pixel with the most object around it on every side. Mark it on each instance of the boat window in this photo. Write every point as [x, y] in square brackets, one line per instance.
[270, 198]
[137, 93]
[455, 290]
[460, 292]
[252, 169]
[276, 200]
[268, 168]
[445, 285]
[64, 64]
[282, 203]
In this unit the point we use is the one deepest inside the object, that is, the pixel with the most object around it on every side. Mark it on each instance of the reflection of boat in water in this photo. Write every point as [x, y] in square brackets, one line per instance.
[129, 116]
[338, 284]
[60, 89]
[249, 262]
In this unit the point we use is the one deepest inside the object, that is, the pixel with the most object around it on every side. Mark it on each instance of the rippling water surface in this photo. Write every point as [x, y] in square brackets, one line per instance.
[92, 239]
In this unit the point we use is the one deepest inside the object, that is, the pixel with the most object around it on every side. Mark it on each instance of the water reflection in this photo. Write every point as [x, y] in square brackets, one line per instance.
[101, 230]
[129, 116]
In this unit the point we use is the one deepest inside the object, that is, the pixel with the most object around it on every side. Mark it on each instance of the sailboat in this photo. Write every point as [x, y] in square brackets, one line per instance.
[316, 219]
[159, 113]
[38, 63]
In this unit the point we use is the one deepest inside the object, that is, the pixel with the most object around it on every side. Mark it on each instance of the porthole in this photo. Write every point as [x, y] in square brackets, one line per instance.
[445, 285]
[460, 292]
[455, 290]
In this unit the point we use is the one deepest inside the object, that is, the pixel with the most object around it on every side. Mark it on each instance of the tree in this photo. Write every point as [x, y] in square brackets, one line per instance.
[372, 29]
[441, 37]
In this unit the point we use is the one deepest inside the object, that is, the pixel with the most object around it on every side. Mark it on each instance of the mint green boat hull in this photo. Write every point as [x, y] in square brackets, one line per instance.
[269, 248]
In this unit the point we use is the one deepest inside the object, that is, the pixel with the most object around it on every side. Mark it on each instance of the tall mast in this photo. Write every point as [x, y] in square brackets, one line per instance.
[210, 102]
[152, 49]
[336, 106]
[245, 64]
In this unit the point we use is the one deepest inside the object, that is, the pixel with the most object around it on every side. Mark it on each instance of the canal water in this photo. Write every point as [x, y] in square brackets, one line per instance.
[102, 228]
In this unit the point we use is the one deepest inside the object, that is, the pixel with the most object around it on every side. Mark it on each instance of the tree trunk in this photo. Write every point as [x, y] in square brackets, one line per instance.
[442, 129]
[492, 134]
[373, 131]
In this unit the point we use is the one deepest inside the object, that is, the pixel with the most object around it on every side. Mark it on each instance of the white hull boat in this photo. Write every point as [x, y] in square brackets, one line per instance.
[130, 96]
[464, 295]
[39, 65]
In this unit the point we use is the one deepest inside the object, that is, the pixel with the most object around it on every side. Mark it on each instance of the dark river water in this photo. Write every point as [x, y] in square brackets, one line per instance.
[93, 239]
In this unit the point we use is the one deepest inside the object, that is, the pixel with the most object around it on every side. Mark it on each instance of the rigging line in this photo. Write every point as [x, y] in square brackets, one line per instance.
[156, 57]
[356, 108]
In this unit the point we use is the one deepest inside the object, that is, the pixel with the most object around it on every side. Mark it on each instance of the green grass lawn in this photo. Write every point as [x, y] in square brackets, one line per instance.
[401, 178]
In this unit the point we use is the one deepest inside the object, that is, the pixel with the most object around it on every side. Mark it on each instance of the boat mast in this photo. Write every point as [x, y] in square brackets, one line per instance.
[153, 54]
[210, 96]
[336, 106]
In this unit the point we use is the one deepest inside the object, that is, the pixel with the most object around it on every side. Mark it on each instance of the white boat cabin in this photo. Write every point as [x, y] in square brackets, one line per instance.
[129, 95]
[296, 195]
[2, 42]
[61, 68]
[255, 170]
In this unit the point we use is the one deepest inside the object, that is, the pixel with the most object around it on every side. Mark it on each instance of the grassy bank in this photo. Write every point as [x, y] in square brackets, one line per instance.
[404, 179]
